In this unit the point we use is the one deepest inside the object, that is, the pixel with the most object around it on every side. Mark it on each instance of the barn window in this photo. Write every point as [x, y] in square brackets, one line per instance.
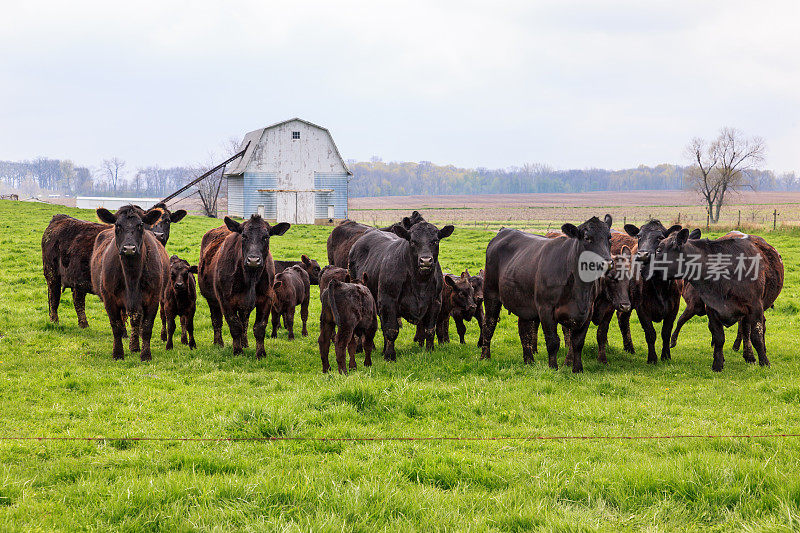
[295, 135]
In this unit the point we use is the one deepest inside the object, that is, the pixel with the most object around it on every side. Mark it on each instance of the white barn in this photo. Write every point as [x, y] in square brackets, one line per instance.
[291, 172]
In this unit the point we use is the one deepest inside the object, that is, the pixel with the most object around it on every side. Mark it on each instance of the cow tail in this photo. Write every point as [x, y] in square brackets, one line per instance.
[332, 303]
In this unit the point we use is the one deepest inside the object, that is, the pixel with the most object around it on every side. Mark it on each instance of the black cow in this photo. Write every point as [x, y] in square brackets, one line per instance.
[348, 310]
[729, 294]
[404, 277]
[660, 298]
[179, 299]
[550, 281]
[306, 263]
[345, 235]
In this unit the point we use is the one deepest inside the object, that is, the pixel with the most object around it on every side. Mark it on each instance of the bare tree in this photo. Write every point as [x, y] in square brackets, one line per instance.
[209, 188]
[722, 166]
[112, 169]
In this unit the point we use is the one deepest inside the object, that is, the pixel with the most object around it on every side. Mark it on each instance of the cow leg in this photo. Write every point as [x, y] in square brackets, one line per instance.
[550, 330]
[717, 339]
[602, 337]
[216, 322]
[443, 329]
[79, 302]
[489, 324]
[288, 321]
[369, 342]
[460, 328]
[430, 323]
[745, 328]
[235, 327]
[757, 330]
[136, 330]
[170, 329]
[568, 345]
[351, 349]
[535, 327]
[525, 328]
[245, 320]
[666, 331]
[147, 321]
[341, 342]
[479, 318]
[276, 323]
[184, 338]
[326, 333]
[189, 323]
[649, 335]
[54, 292]
[304, 316]
[419, 335]
[687, 315]
[577, 337]
[124, 322]
[739, 335]
[624, 323]
[259, 329]
[164, 323]
[115, 318]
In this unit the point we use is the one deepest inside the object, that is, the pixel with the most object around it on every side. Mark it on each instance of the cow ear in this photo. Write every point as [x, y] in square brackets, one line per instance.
[279, 228]
[233, 225]
[481, 273]
[277, 284]
[465, 273]
[682, 237]
[446, 231]
[608, 220]
[673, 229]
[151, 217]
[347, 278]
[177, 216]
[696, 234]
[193, 269]
[106, 216]
[401, 231]
[304, 258]
[625, 251]
[450, 281]
[364, 278]
[631, 230]
[406, 223]
[570, 230]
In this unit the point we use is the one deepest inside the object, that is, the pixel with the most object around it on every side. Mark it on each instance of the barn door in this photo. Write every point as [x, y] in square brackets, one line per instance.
[287, 207]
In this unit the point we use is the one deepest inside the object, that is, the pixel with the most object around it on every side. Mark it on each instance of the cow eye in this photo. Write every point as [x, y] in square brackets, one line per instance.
[588, 239]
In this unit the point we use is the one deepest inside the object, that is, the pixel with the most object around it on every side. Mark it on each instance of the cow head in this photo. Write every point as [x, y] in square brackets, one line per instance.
[254, 239]
[616, 284]
[462, 294]
[312, 268]
[668, 255]
[423, 239]
[160, 227]
[415, 218]
[180, 272]
[128, 228]
[477, 286]
[649, 236]
[594, 236]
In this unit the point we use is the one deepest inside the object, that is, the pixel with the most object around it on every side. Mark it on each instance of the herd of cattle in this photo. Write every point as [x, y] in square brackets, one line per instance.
[393, 273]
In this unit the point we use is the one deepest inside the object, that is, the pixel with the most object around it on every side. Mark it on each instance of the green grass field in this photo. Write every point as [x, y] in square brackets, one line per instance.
[59, 380]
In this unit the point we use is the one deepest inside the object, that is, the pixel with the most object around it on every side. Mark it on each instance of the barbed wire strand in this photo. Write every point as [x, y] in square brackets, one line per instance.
[408, 439]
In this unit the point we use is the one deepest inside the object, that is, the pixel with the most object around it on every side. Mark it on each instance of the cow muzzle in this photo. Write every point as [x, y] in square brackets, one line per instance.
[159, 235]
[127, 250]
[625, 307]
[253, 262]
[425, 263]
[642, 255]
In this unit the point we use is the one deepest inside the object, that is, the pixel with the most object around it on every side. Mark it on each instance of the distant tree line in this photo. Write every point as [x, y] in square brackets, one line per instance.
[373, 178]
[376, 178]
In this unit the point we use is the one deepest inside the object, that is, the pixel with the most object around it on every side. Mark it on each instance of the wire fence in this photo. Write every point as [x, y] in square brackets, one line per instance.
[522, 438]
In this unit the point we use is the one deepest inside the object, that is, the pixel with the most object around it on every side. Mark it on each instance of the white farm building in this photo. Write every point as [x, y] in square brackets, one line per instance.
[290, 172]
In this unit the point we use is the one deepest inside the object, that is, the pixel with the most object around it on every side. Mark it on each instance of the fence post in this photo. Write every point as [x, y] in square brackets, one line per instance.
[679, 217]
[775, 219]
[624, 220]
[739, 224]
[708, 221]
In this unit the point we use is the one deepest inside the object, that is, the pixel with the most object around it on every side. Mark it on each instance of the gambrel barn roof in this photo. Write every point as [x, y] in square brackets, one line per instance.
[238, 166]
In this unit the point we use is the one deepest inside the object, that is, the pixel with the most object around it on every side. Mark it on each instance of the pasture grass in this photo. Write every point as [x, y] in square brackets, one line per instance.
[59, 380]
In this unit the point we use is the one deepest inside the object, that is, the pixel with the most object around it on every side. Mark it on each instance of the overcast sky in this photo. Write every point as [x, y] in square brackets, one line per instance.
[572, 84]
